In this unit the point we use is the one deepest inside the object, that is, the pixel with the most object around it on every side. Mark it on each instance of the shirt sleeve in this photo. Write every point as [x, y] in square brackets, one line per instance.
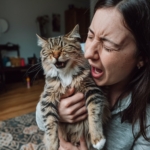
[39, 119]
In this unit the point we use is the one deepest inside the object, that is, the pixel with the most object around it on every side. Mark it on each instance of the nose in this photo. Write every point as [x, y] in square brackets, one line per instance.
[91, 51]
[56, 54]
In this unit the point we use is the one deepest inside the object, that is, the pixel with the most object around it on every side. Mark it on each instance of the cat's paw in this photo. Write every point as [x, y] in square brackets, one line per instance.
[100, 144]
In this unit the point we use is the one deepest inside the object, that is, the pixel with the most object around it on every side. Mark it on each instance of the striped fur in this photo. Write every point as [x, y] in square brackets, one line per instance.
[65, 66]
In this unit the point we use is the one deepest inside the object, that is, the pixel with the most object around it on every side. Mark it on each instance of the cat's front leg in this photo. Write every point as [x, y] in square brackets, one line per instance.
[95, 106]
[51, 139]
[95, 127]
[51, 118]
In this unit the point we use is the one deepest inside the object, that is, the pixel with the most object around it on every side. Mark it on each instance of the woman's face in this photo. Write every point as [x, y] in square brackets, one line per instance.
[110, 48]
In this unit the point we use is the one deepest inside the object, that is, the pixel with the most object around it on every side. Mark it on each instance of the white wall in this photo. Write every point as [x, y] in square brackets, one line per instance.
[22, 14]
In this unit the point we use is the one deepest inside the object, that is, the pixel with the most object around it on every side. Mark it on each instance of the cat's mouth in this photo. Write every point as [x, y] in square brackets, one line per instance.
[59, 64]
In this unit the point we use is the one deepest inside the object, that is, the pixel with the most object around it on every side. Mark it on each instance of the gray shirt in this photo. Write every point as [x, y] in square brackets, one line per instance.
[119, 135]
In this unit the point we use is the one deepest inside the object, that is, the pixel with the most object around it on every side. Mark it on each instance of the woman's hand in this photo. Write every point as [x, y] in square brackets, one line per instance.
[72, 107]
[68, 146]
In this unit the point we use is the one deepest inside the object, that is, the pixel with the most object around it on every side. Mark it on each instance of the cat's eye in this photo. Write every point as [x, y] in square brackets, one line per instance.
[73, 46]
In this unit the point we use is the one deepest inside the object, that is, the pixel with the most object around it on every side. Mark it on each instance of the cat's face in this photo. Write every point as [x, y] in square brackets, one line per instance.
[61, 53]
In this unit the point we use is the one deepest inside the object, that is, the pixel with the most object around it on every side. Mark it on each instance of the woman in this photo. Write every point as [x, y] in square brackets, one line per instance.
[118, 50]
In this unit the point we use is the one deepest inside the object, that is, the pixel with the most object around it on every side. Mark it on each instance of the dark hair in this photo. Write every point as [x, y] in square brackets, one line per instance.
[136, 14]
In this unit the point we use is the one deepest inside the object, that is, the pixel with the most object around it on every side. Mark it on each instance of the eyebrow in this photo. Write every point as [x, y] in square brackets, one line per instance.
[91, 31]
[105, 39]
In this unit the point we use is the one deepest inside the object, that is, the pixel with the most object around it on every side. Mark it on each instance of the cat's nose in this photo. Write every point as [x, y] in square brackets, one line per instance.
[56, 54]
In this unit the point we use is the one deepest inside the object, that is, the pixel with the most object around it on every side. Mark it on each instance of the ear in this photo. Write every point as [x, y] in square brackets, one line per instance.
[140, 63]
[74, 33]
[41, 42]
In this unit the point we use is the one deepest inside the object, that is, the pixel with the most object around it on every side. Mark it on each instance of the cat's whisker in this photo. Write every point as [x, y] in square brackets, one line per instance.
[37, 65]
[35, 69]
[78, 61]
[75, 59]
[36, 75]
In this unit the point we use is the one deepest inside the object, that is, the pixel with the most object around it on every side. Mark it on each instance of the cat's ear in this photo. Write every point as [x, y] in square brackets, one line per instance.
[74, 33]
[41, 42]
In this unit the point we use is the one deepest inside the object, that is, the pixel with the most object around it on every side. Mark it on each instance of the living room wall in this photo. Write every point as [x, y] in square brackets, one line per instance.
[21, 16]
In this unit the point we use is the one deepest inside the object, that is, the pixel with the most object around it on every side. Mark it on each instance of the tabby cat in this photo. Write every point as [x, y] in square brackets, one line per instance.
[64, 67]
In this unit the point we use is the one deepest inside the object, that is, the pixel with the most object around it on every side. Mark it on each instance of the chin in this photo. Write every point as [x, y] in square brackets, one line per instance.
[99, 83]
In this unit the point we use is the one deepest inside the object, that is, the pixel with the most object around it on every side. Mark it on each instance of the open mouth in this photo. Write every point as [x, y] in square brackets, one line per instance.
[96, 73]
[59, 64]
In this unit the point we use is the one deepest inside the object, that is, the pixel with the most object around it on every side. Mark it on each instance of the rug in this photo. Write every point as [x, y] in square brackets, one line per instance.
[21, 133]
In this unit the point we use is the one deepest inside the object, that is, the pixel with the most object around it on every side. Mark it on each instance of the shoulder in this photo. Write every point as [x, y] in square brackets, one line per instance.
[148, 108]
[148, 114]
[140, 142]
[137, 125]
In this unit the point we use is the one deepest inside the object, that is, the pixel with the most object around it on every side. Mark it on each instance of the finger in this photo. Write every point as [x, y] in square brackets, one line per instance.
[73, 99]
[62, 141]
[59, 133]
[78, 108]
[78, 118]
[61, 148]
[68, 93]
[83, 145]
[79, 112]
[64, 145]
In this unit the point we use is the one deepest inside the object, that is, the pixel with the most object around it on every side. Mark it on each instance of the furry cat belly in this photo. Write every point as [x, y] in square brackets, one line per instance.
[73, 132]
[91, 128]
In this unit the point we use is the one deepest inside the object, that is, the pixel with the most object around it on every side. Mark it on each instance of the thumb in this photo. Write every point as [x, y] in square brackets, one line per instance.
[83, 145]
[63, 143]
[68, 93]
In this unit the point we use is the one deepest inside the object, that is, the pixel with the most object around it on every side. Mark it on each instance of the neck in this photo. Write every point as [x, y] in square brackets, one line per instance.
[113, 96]
[114, 91]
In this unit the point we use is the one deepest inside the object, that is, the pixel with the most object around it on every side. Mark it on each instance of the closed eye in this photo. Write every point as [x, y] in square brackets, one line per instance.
[89, 37]
[107, 49]
[46, 53]
[73, 46]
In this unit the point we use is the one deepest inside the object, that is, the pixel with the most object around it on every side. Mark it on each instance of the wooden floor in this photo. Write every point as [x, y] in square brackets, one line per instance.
[19, 100]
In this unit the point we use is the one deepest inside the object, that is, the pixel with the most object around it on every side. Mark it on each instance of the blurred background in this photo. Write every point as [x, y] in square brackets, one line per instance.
[20, 21]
